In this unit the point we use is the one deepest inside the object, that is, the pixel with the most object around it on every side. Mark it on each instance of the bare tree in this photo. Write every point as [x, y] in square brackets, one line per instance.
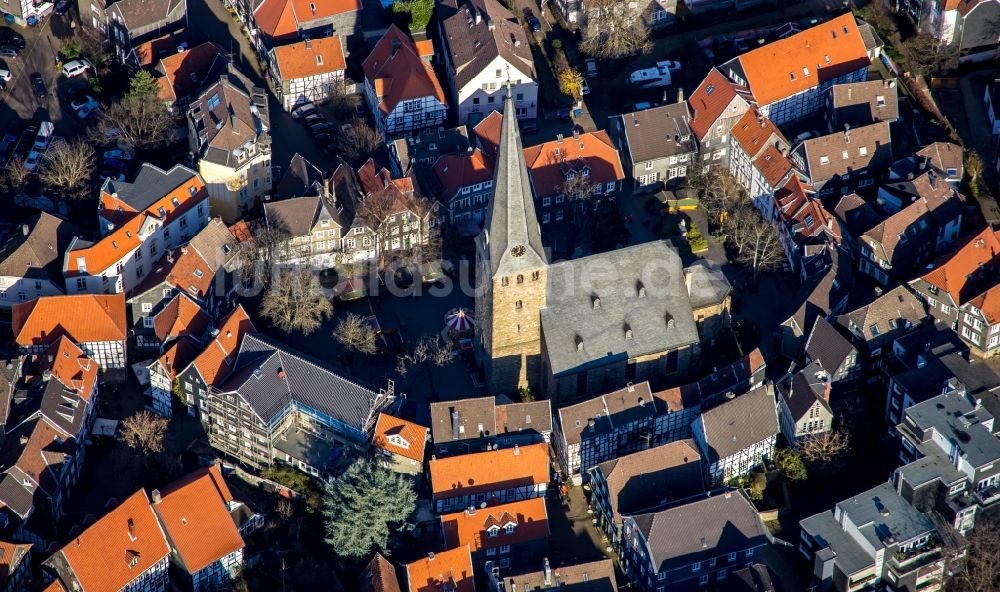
[358, 140]
[754, 239]
[717, 190]
[981, 569]
[257, 256]
[824, 448]
[927, 52]
[614, 30]
[67, 168]
[342, 103]
[356, 335]
[295, 302]
[375, 210]
[428, 353]
[139, 119]
[144, 432]
[973, 165]
[16, 174]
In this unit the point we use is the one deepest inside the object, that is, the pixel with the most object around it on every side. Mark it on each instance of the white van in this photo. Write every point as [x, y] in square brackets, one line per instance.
[44, 137]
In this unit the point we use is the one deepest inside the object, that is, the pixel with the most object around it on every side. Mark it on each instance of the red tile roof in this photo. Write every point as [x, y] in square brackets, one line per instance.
[488, 133]
[773, 165]
[181, 316]
[453, 567]
[389, 430]
[989, 303]
[952, 273]
[397, 72]
[483, 472]
[379, 576]
[709, 101]
[215, 361]
[125, 238]
[11, 556]
[486, 528]
[73, 368]
[455, 171]
[194, 512]
[282, 18]
[84, 318]
[310, 58]
[177, 355]
[100, 558]
[548, 162]
[754, 132]
[185, 71]
[795, 64]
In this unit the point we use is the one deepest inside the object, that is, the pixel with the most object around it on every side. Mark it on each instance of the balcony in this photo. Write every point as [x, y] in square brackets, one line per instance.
[988, 495]
[908, 561]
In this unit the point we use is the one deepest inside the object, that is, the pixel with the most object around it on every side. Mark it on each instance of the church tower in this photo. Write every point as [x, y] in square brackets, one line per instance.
[511, 269]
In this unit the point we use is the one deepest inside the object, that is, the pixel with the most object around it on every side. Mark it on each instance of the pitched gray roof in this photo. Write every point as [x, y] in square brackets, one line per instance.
[294, 216]
[269, 375]
[864, 103]
[803, 389]
[827, 346]
[626, 303]
[302, 178]
[740, 423]
[642, 481]
[516, 417]
[228, 116]
[706, 284]
[600, 414]
[35, 249]
[511, 224]
[151, 183]
[874, 139]
[481, 31]
[143, 14]
[215, 243]
[709, 527]
[657, 133]
[898, 306]
[452, 421]
[594, 576]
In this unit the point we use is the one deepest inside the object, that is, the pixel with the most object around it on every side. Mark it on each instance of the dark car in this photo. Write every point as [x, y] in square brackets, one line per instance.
[535, 24]
[39, 85]
[323, 137]
[12, 38]
[318, 128]
[62, 6]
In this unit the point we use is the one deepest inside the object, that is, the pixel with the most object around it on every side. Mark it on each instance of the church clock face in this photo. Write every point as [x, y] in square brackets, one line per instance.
[517, 250]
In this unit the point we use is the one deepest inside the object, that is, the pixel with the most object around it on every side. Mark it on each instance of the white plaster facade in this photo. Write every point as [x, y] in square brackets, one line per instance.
[485, 92]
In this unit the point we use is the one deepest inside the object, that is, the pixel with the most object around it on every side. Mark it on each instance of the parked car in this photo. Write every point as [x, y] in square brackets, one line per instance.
[11, 37]
[88, 109]
[323, 137]
[8, 51]
[303, 110]
[75, 68]
[654, 77]
[44, 136]
[314, 119]
[591, 68]
[535, 24]
[584, 88]
[118, 153]
[81, 102]
[31, 163]
[39, 85]
[528, 126]
[643, 106]
[5, 75]
[318, 128]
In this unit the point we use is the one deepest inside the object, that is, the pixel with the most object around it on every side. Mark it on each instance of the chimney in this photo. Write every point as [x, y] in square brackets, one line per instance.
[559, 138]
[309, 43]
[281, 373]
[25, 229]
[23, 440]
[430, 557]
[517, 450]
[547, 569]
[680, 95]
[156, 496]
[479, 17]
[131, 529]
[454, 423]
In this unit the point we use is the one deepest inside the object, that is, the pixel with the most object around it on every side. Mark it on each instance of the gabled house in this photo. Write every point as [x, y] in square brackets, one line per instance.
[858, 104]
[926, 226]
[139, 222]
[804, 404]
[402, 90]
[505, 536]
[206, 270]
[656, 144]
[808, 233]
[425, 147]
[944, 158]
[30, 259]
[311, 225]
[181, 328]
[130, 23]
[789, 78]
[644, 481]
[823, 296]
[466, 182]
[693, 544]
[271, 23]
[215, 362]
[182, 73]
[847, 160]
[302, 178]
[96, 323]
[730, 451]
[882, 321]
[481, 423]
[444, 570]
[379, 576]
[307, 71]
[399, 444]
[126, 549]
[715, 107]
[15, 566]
[486, 48]
[834, 354]
[228, 126]
[759, 160]
[954, 280]
[198, 515]
[503, 475]
[289, 409]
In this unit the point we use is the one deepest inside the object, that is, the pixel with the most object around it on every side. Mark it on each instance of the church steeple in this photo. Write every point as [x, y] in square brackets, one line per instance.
[512, 239]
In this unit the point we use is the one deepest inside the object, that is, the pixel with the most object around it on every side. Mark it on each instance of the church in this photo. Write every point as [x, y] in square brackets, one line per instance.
[573, 329]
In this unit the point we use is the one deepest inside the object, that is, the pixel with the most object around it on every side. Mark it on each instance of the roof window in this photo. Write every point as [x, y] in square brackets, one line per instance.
[710, 89]
[791, 75]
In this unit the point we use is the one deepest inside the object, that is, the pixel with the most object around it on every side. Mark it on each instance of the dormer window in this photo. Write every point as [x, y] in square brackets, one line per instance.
[628, 331]
[509, 528]
[493, 530]
[397, 440]
[791, 75]
[595, 301]
[579, 343]
[640, 289]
